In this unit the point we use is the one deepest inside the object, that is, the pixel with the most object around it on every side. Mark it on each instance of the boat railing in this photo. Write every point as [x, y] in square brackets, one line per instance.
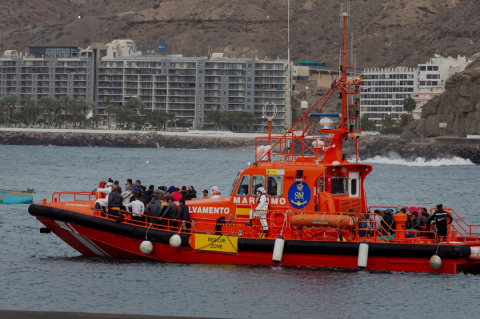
[57, 196]
[152, 222]
[467, 229]
[378, 233]
[290, 149]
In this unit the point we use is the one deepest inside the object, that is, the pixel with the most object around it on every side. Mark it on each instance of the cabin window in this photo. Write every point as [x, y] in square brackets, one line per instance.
[244, 186]
[353, 187]
[257, 182]
[274, 186]
[339, 185]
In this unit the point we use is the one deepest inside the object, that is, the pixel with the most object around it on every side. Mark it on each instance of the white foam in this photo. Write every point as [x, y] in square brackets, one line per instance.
[394, 159]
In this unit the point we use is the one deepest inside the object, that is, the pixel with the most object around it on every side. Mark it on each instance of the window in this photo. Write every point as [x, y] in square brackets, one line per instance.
[339, 185]
[257, 181]
[274, 186]
[244, 186]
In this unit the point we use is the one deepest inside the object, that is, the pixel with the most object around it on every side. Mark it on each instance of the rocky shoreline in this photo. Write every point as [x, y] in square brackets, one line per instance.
[429, 149]
[368, 147]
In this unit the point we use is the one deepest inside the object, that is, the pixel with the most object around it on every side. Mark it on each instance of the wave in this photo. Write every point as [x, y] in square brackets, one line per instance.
[394, 159]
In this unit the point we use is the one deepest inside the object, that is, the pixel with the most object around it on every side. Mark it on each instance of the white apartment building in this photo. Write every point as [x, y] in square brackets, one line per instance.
[383, 90]
[186, 86]
[64, 71]
[191, 86]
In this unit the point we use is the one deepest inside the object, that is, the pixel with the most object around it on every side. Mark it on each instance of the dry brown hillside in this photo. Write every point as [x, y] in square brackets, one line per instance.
[394, 32]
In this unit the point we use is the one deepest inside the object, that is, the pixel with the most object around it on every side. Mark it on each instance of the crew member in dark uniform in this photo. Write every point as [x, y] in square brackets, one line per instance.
[440, 217]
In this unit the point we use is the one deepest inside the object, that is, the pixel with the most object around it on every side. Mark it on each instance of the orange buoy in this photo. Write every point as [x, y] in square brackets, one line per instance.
[323, 220]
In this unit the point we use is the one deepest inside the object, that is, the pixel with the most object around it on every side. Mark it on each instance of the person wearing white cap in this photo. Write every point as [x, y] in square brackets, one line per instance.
[103, 202]
[261, 210]
[215, 192]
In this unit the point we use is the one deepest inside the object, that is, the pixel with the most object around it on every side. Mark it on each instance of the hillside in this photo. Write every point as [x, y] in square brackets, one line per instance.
[394, 32]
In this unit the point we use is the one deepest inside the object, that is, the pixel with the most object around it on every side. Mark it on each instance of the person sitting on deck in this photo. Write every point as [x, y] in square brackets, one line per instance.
[128, 185]
[137, 208]
[171, 212]
[388, 223]
[205, 194]
[184, 213]
[191, 192]
[215, 192]
[415, 221]
[441, 217]
[378, 214]
[362, 226]
[160, 192]
[177, 195]
[183, 191]
[114, 201]
[154, 208]
[424, 218]
[150, 192]
[119, 189]
[144, 196]
[103, 202]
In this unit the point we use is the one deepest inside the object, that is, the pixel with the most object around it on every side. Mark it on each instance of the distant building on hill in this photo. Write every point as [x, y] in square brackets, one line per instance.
[383, 89]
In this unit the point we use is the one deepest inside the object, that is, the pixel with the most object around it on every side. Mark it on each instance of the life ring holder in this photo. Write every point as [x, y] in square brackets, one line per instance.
[278, 220]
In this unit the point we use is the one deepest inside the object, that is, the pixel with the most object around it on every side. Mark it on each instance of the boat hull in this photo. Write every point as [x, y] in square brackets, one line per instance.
[95, 236]
[15, 197]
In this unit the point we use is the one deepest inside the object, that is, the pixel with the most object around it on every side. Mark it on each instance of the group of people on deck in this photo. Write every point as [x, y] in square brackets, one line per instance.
[384, 221]
[152, 203]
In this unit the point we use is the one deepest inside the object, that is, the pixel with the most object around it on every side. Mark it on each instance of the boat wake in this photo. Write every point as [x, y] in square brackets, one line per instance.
[395, 159]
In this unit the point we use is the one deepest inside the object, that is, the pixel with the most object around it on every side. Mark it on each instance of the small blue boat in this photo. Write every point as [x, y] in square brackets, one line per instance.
[16, 197]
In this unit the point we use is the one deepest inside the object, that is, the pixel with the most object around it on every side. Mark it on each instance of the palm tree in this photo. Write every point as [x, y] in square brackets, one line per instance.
[366, 124]
[409, 105]
[64, 101]
[51, 107]
[171, 117]
[388, 121]
[109, 108]
[157, 117]
[216, 117]
[29, 105]
[9, 101]
[95, 119]
[136, 104]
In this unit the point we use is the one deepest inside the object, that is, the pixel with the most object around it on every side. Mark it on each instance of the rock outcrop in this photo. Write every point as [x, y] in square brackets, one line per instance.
[458, 107]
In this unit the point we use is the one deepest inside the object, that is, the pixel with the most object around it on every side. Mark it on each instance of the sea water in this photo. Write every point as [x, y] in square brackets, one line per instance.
[41, 272]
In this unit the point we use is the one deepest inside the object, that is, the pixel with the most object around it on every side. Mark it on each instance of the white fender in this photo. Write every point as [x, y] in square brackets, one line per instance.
[435, 261]
[362, 255]
[278, 250]
[146, 246]
[175, 241]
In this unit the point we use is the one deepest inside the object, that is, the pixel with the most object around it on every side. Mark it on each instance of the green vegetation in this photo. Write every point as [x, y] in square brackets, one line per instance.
[366, 124]
[233, 120]
[68, 112]
[409, 105]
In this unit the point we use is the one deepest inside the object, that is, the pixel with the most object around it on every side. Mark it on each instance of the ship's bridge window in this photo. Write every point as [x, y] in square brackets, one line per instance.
[244, 186]
[274, 186]
[339, 185]
[257, 182]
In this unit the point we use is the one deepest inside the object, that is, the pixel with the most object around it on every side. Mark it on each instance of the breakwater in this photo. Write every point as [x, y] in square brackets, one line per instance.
[369, 146]
[129, 140]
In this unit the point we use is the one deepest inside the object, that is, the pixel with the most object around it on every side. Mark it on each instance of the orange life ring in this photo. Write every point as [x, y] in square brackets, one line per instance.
[277, 220]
